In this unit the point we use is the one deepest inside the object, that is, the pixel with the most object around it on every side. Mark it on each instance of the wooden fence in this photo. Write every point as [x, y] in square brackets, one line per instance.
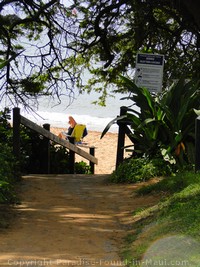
[45, 132]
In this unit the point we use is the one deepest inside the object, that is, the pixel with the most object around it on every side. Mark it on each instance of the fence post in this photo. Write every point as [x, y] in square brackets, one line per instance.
[92, 152]
[121, 138]
[46, 152]
[16, 140]
[71, 157]
[197, 144]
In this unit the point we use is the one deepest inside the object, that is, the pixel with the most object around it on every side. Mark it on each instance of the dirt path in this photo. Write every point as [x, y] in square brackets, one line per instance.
[69, 220]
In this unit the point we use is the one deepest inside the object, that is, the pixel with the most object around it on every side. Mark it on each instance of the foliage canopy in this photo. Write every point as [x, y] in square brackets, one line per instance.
[114, 31]
[46, 46]
[35, 49]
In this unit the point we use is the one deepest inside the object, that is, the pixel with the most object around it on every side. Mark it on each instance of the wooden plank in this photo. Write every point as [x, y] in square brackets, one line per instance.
[58, 140]
[86, 146]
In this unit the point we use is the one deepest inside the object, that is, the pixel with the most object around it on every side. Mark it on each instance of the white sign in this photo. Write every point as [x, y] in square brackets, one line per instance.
[149, 71]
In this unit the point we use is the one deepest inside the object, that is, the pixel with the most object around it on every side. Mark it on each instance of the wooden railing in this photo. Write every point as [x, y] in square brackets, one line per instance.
[73, 149]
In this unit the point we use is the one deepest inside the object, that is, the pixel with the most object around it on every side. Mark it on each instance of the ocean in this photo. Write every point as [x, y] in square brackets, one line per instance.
[94, 116]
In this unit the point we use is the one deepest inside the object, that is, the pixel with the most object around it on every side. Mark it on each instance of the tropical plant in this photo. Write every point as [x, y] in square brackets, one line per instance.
[165, 123]
[180, 105]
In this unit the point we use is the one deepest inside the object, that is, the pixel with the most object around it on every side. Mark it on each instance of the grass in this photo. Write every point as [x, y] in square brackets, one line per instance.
[167, 234]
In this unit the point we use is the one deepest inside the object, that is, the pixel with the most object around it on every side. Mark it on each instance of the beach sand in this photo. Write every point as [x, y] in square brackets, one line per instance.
[105, 149]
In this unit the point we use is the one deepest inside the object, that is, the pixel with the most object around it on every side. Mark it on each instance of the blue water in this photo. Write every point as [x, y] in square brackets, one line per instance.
[94, 116]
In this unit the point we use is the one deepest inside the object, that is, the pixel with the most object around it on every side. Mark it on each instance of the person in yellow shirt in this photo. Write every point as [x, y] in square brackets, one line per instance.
[76, 130]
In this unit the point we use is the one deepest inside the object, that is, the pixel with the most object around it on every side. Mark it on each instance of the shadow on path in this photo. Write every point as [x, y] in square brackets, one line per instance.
[69, 220]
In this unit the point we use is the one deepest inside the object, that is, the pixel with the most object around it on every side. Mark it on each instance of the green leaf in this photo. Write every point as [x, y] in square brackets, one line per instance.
[197, 111]
[111, 123]
[6, 62]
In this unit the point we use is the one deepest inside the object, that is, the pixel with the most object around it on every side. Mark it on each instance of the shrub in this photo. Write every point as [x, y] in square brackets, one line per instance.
[140, 169]
[7, 193]
[59, 159]
[7, 160]
[7, 163]
[81, 167]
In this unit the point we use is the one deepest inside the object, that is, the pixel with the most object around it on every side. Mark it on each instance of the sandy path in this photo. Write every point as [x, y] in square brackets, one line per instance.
[69, 220]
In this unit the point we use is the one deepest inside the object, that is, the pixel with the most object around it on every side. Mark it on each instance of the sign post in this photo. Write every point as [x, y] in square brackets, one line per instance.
[149, 71]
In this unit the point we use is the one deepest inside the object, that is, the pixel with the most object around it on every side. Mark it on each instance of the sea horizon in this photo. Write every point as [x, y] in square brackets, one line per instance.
[94, 116]
[82, 109]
